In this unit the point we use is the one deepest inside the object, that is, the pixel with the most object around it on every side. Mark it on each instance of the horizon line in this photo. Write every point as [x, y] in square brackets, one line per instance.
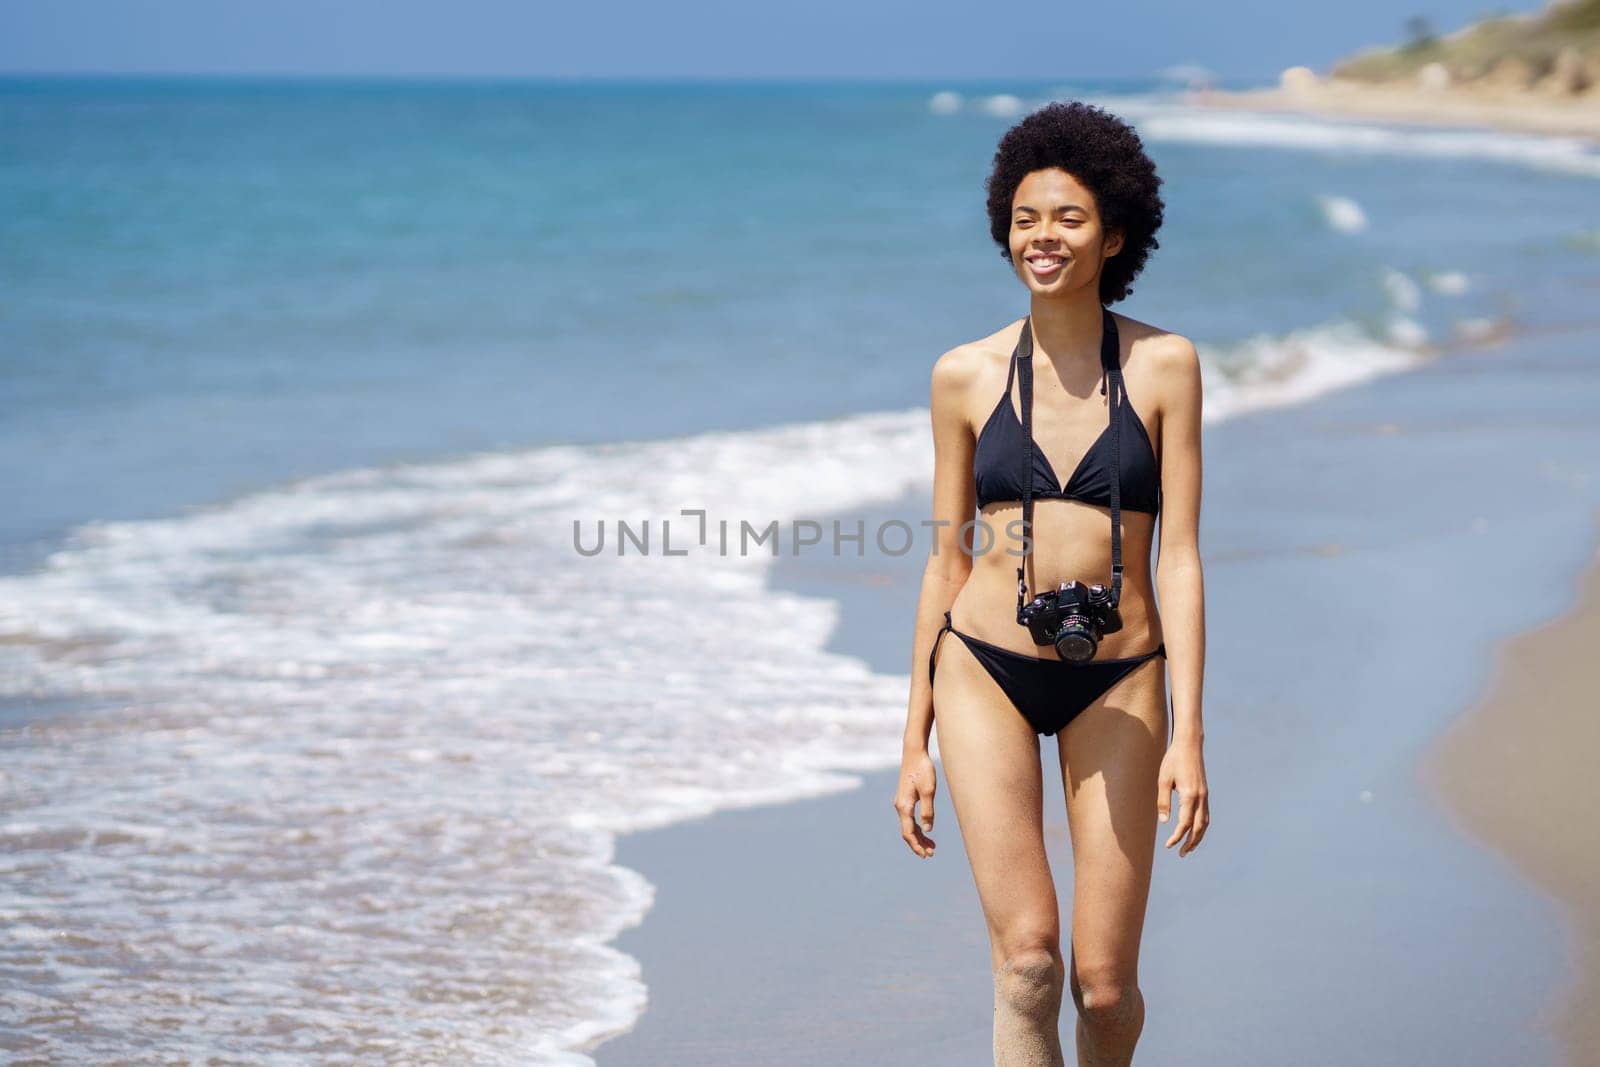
[640, 78]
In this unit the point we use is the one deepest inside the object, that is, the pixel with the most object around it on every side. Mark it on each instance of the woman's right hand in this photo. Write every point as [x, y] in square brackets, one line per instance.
[918, 780]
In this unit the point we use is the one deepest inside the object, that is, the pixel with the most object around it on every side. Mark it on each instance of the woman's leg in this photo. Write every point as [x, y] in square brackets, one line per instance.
[992, 771]
[1110, 759]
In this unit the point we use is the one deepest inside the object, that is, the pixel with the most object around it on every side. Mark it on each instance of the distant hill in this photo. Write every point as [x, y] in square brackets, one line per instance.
[1556, 50]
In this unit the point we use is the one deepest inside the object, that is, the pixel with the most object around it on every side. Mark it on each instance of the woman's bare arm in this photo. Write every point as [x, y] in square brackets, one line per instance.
[1180, 589]
[954, 504]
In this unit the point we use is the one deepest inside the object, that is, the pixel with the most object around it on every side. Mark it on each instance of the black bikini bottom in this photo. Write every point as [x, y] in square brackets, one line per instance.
[1048, 692]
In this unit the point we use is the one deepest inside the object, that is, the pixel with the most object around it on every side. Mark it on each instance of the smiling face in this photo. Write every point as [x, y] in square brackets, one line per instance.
[1058, 241]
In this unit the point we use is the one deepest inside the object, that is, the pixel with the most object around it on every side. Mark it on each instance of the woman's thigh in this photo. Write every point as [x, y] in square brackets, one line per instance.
[1110, 761]
[992, 771]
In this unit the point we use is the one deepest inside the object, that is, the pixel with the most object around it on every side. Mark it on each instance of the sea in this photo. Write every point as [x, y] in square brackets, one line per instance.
[390, 472]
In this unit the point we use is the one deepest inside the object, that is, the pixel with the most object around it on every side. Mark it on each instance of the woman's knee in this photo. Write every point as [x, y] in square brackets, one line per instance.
[1031, 975]
[1107, 999]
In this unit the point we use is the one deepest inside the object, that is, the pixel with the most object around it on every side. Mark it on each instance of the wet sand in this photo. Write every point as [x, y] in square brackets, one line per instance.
[1518, 772]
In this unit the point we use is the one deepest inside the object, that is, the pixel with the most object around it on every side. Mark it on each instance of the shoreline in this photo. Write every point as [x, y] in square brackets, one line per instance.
[1520, 112]
[1515, 772]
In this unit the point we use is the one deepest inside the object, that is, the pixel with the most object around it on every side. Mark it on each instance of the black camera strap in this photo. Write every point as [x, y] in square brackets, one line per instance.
[1110, 370]
[1023, 359]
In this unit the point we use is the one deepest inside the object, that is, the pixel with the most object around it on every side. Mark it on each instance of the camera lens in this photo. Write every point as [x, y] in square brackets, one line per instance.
[1075, 642]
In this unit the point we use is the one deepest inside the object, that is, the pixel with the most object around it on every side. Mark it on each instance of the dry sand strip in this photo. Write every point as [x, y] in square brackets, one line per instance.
[1506, 110]
[1518, 772]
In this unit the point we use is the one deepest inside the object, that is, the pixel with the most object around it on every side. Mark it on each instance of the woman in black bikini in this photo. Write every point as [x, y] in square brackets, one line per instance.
[1074, 206]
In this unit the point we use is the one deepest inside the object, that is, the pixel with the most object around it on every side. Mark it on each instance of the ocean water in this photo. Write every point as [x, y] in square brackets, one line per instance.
[316, 726]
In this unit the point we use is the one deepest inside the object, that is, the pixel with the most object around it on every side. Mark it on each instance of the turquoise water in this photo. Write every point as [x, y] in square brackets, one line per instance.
[212, 286]
[302, 386]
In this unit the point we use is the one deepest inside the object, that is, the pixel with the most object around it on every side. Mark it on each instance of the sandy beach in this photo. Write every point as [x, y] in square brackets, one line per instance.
[1461, 105]
[1518, 773]
[1347, 543]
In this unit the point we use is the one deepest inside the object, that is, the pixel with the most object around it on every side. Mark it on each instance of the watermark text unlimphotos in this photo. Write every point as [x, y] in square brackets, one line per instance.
[892, 537]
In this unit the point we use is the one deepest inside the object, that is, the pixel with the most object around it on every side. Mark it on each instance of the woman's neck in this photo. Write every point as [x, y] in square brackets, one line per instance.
[1067, 331]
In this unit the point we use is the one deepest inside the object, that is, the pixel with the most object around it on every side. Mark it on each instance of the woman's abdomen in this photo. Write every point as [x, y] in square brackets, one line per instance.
[1072, 541]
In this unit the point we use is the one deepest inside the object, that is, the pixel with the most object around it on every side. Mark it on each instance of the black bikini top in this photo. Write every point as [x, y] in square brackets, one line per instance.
[998, 458]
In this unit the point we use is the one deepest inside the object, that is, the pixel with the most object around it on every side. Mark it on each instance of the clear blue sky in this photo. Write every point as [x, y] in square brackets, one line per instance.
[1240, 39]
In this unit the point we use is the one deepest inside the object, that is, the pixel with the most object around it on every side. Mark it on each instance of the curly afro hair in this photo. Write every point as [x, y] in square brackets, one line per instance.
[1105, 155]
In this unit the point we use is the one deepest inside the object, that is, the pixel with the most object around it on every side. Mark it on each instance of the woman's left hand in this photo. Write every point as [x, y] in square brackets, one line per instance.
[1183, 769]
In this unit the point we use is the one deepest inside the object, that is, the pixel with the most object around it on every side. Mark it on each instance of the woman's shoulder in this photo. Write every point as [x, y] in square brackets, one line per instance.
[1162, 360]
[975, 362]
[1162, 347]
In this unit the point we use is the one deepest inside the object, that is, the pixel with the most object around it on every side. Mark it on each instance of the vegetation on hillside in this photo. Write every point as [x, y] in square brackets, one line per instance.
[1557, 48]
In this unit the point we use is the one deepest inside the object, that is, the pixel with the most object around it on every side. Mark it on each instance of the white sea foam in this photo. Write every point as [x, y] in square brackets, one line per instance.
[1342, 213]
[1405, 333]
[1003, 105]
[1271, 371]
[1404, 293]
[367, 738]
